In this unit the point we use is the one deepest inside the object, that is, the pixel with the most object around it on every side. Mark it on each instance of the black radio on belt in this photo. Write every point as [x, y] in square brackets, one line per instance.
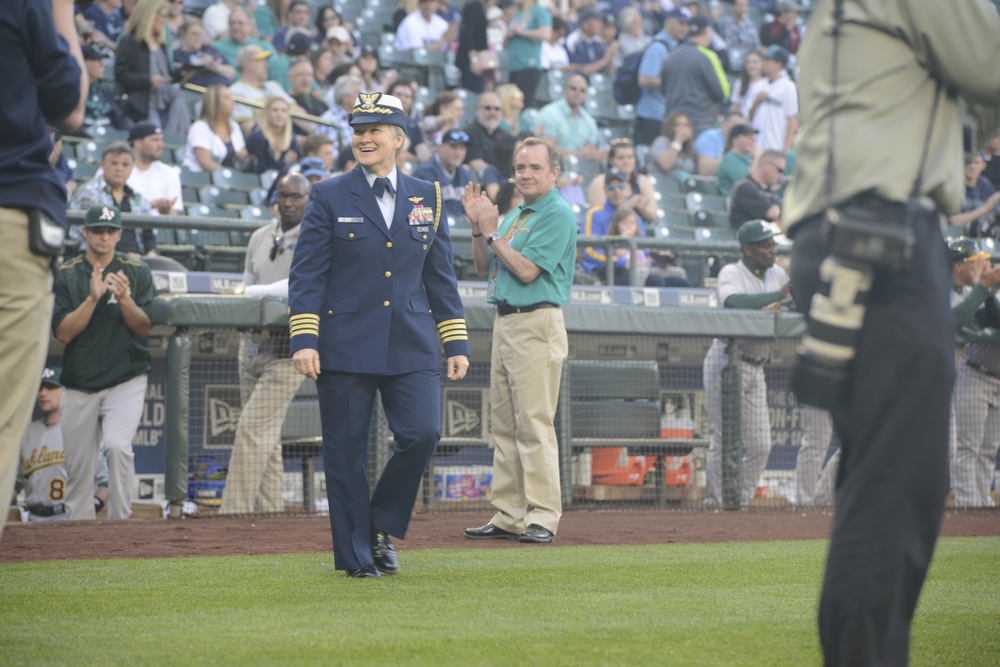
[45, 236]
[880, 236]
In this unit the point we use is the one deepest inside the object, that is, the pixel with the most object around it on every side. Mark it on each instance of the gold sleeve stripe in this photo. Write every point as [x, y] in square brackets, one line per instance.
[293, 334]
[298, 326]
[455, 329]
[452, 338]
[447, 323]
[304, 316]
[437, 205]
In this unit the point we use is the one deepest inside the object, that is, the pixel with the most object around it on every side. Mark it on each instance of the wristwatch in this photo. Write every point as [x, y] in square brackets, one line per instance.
[495, 236]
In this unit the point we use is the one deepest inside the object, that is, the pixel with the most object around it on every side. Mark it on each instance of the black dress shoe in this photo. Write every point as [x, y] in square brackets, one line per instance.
[535, 534]
[489, 532]
[366, 572]
[384, 554]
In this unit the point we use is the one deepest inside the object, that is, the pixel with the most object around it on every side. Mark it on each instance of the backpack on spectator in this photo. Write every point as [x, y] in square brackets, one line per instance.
[626, 89]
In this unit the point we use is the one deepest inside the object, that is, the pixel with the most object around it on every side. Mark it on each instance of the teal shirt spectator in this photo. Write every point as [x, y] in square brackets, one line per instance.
[733, 168]
[527, 53]
[277, 64]
[267, 23]
[545, 233]
[570, 133]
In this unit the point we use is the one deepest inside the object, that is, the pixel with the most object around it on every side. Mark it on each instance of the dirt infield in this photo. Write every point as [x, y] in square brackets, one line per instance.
[219, 536]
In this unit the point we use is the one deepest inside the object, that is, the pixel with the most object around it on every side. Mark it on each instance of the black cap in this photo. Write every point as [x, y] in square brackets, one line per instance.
[299, 44]
[143, 130]
[741, 130]
[698, 25]
[965, 249]
[51, 377]
[777, 54]
[615, 174]
[91, 52]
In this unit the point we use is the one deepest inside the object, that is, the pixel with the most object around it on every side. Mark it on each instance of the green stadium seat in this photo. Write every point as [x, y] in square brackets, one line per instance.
[230, 179]
[211, 194]
[195, 179]
[255, 213]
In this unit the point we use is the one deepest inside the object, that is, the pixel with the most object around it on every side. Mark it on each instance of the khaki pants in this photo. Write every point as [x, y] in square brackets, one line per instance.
[528, 354]
[25, 316]
[267, 384]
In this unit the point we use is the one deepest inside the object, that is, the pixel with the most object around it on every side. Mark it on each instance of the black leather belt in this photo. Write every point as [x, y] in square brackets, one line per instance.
[47, 510]
[753, 361]
[505, 309]
[982, 369]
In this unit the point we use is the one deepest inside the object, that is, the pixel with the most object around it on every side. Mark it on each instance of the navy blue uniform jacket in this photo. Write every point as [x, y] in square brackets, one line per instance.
[369, 299]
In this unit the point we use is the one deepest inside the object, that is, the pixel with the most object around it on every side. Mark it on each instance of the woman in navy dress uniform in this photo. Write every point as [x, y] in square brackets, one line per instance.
[373, 297]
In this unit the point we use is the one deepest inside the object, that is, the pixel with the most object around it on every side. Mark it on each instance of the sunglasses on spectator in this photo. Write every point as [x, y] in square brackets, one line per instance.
[611, 187]
[277, 248]
[489, 108]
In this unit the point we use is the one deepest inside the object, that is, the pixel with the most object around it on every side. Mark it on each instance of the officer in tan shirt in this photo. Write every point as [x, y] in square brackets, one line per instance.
[896, 72]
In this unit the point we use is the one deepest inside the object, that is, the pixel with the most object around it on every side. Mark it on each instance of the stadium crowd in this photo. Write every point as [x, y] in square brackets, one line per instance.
[667, 115]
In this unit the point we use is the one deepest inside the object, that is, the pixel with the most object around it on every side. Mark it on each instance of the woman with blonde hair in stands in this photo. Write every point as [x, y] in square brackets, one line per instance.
[215, 139]
[144, 70]
[511, 106]
[621, 156]
[271, 141]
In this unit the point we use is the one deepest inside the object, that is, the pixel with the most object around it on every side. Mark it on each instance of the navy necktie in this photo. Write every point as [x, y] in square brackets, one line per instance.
[381, 185]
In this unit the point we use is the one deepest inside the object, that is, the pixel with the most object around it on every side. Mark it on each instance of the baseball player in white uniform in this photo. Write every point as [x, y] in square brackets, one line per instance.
[814, 482]
[42, 471]
[754, 282]
[975, 408]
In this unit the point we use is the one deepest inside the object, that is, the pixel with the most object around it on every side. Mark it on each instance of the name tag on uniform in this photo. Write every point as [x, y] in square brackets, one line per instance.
[423, 229]
[350, 219]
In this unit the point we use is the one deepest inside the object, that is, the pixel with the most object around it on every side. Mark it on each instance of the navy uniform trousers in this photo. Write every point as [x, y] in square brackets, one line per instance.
[893, 428]
[412, 404]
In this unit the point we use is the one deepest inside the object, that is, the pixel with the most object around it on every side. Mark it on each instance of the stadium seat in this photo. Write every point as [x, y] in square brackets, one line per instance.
[696, 201]
[208, 211]
[195, 179]
[230, 179]
[258, 197]
[672, 200]
[675, 217]
[89, 151]
[678, 233]
[84, 171]
[255, 213]
[211, 194]
[190, 195]
[268, 177]
[705, 185]
[586, 168]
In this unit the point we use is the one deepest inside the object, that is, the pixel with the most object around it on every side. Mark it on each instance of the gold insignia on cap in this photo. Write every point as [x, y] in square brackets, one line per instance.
[368, 101]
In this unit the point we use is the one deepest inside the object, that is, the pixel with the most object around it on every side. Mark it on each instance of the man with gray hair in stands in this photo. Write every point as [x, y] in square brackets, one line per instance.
[345, 92]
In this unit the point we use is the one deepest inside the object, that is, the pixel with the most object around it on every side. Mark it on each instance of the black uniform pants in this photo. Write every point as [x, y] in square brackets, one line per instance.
[893, 428]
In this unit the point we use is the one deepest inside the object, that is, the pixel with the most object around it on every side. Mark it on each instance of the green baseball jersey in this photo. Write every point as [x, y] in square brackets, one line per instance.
[106, 353]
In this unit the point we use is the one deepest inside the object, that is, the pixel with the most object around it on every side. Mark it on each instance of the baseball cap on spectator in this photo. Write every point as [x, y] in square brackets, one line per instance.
[103, 216]
[590, 13]
[252, 52]
[678, 14]
[741, 130]
[698, 25]
[455, 137]
[503, 4]
[339, 33]
[367, 50]
[965, 249]
[615, 174]
[788, 6]
[299, 44]
[143, 130]
[777, 54]
[51, 377]
[91, 52]
[312, 166]
[754, 231]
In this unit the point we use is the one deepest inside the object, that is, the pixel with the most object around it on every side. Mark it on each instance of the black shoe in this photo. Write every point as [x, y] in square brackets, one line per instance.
[535, 534]
[384, 554]
[366, 572]
[489, 532]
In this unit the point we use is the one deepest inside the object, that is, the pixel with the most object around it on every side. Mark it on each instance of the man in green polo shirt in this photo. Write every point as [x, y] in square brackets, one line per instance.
[102, 304]
[529, 260]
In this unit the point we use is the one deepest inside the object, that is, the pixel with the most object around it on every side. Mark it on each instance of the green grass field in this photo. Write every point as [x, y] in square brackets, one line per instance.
[679, 604]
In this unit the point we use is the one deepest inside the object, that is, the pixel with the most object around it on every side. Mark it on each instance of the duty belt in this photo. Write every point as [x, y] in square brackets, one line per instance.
[982, 369]
[47, 510]
[506, 309]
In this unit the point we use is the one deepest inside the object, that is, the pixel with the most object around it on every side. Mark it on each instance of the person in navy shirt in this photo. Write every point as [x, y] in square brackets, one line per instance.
[446, 167]
[45, 85]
